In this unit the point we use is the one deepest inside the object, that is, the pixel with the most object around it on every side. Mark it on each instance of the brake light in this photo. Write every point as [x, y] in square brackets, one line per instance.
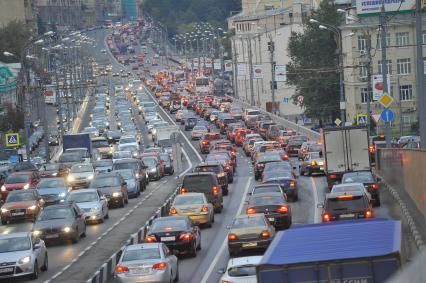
[368, 214]
[284, 156]
[204, 209]
[372, 148]
[185, 236]
[150, 239]
[374, 186]
[173, 210]
[205, 142]
[215, 190]
[251, 211]
[227, 168]
[226, 281]
[345, 197]
[121, 269]
[292, 183]
[326, 217]
[182, 190]
[160, 265]
[232, 237]
[332, 176]
[282, 209]
[264, 234]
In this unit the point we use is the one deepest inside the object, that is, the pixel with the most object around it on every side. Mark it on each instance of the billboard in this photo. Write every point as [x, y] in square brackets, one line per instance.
[377, 83]
[280, 73]
[228, 66]
[374, 7]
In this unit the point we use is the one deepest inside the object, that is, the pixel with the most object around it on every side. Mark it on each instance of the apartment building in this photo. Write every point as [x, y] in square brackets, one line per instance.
[401, 62]
[62, 13]
[17, 10]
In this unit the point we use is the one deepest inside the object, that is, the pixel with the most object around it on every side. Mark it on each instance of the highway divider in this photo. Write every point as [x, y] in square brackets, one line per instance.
[107, 269]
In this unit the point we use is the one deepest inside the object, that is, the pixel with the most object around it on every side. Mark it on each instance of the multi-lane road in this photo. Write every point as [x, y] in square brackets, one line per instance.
[76, 262]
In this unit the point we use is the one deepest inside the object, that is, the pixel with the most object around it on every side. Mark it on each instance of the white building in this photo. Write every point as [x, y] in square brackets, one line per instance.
[251, 51]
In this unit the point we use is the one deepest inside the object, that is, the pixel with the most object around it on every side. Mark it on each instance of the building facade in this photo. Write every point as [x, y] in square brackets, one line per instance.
[252, 56]
[61, 13]
[401, 63]
[17, 10]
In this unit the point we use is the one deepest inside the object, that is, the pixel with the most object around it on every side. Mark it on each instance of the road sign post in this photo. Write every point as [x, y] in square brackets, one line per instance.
[13, 140]
[387, 115]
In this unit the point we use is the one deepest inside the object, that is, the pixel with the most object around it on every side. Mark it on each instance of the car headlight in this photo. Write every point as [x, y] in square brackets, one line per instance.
[137, 175]
[116, 194]
[94, 209]
[24, 260]
[152, 169]
[3, 188]
[55, 174]
[62, 195]
[67, 229]
[3, 210]
[135, 154]
[70, 178]
[90, 177]
[37, 232]
[27, 186]
[32, 207]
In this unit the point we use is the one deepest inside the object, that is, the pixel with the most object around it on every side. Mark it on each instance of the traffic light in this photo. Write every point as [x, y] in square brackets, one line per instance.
[271, 46]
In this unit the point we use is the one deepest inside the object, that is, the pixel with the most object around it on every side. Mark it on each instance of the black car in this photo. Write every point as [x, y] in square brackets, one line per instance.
[167, 163]
[113, 136]
[368, 180]
[261, 161]
[178, 233]
[113, 187]
[137, 166]
[190, 123]
[286, 180]
[217, 169]
[274, 206]
[344, 206]
[60, 222]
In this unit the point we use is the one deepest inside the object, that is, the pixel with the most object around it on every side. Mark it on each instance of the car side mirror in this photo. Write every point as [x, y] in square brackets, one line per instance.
[124, 183]
[37, 246]
[103, 198]
[144, 167]
[221, 271]
[249, 194]
[378, 179]
[320, 205]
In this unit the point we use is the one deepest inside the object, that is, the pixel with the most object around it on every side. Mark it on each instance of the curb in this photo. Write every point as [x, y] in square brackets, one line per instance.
[406, 213]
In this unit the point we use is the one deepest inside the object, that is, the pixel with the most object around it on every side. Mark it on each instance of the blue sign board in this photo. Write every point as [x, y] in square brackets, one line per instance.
[12, 140]
[387, 115]
[285, 100]
[361, 119]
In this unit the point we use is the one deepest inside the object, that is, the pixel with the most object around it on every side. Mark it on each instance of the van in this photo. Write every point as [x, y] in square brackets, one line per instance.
[204, 182]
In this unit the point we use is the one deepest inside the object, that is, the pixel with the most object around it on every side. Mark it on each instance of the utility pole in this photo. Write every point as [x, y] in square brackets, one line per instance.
[369, 86]
[421, 98]
[271, 49]
[251, 71]
[385, 71]
[234, 63]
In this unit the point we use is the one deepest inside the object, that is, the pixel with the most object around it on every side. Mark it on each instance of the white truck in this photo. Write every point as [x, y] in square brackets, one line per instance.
[50, 95]
[164, 135]
[345, 150]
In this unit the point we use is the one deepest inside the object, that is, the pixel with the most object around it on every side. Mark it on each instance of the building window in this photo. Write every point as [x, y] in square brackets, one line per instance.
[388, 65]
[406, 92]
[403, 66]
[362, 43]
[363, 71]
[379, 40]
[364, 93]
[406, 120]
[424, 37]
[402, 38]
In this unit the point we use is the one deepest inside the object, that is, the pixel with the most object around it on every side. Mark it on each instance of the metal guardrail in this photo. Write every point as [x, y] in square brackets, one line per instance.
[107, 269]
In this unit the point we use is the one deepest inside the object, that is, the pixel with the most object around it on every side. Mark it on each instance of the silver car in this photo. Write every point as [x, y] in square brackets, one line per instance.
[150, 262]
[92, 203]
[80, 175]
[22, 254]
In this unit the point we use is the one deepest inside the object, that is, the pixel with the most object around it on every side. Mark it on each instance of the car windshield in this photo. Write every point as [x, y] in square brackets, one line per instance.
[102, 182]
[141, 254]
[187, 200]
[20, 196]
[252, 221]
[122, 154]
[200, 128]
[242, 271]
[347, 204]
[126, 174]
[129, 148]
[102, 163]
[51, 183]
[14, 244]
[278, 175]
[56, 213]
[149, 161]
[358, 178]
[269, 158]
[69, 158]
[169, 224]
[83, 197]
[212, 168]
[125, 165]
[100, 143]
[127, 140]
[198, 182]
[49, 167]
[267, 189]
[277, 167]
[16, 179]
[266, 200]
[81, 168]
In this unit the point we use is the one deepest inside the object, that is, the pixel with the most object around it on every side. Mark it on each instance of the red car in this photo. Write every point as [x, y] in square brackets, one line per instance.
[205, 141]
[240, 135]
[19, 181]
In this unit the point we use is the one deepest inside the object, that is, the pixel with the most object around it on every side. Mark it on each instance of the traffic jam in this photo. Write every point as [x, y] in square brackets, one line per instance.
[127, 148]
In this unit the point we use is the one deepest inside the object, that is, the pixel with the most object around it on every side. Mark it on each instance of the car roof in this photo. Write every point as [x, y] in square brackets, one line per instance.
[143, 245]
[83, 191]
[14, 235]
[238, 261]
[189, 194]
[269, 194]
[348, 185]
[199, 174]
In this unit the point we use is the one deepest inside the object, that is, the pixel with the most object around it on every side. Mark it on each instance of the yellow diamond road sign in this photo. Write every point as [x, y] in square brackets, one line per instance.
[338, 122]
[386, 100]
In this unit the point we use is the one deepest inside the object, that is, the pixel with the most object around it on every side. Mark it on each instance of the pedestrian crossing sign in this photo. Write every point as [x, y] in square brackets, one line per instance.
[361, 119]
[12, 140]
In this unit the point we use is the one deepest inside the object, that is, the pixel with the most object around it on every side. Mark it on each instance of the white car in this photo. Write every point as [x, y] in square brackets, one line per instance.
[119, 88]
[118, 155]
[151, 116]
[22, 251]
[80, 175]
[93, 204]
[92, 131]
[150, 124]
[128, 140]
[198, 132]
[241, 270]
[180, 114]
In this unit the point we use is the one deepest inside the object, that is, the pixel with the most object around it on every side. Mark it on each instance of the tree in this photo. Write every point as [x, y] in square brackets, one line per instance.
[313, 68]
[13, 38]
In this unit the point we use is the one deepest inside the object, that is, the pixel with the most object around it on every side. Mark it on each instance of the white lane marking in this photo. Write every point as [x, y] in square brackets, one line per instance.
[224, 244]
[316, 201]
[102, 236]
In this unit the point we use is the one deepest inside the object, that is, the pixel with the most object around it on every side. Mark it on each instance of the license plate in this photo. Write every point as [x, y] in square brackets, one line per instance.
[251, 244]
[349, 215]
[271, 219]
[52, 236]
[168, 239]
[139, 270]
[18, 213]
[6, 269]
